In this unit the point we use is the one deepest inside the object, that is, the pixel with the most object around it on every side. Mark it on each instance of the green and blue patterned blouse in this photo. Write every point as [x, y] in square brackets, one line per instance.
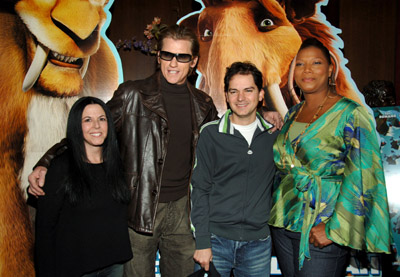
[336, 177]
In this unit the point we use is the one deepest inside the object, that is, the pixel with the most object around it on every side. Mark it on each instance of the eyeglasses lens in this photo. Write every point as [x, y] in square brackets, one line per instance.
[182, 58]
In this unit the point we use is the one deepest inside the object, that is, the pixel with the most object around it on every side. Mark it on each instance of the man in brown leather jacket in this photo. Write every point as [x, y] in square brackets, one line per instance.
[157, 122]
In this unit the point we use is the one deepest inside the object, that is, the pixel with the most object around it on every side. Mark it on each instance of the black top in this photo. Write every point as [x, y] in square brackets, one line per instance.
[72, 240]
[178, 162]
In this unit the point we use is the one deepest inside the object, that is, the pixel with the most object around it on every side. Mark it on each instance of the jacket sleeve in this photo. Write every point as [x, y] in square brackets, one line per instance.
[117, 105]
[53, 152]
[47, 215]
[361, 216]
[213, 114]
[201, 187]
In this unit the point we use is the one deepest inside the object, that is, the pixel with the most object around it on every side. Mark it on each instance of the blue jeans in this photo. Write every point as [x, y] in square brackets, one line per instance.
[330, 261]
[246, 258]
[116, 270]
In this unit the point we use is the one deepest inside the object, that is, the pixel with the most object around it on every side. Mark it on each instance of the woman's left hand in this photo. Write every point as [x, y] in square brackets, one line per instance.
[318, 236]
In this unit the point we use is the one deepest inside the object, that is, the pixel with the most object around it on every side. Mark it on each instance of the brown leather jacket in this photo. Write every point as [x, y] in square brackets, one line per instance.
[142, 128]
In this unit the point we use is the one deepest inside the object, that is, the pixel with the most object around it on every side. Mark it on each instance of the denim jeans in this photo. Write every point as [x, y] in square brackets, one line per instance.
[329, 261]
[172, 236]
[116, 270]
[246, 258]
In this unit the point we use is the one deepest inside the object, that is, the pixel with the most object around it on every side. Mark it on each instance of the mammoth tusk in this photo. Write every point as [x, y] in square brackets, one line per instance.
[83, 69]
[36, 67]
[292, 92]
[276, 97]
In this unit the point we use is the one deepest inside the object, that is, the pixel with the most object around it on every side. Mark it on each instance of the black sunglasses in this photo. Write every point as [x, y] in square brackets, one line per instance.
[182, 58]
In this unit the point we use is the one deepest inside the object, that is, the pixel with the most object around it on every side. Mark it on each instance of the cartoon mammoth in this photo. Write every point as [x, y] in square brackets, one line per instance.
[267, 33]
[51, 53]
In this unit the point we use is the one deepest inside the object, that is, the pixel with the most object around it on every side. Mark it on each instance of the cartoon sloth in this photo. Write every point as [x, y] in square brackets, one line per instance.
[51, 53]
[267, 33]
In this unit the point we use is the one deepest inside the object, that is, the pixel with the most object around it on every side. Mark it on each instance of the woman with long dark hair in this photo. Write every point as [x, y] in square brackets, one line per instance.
[81, 221]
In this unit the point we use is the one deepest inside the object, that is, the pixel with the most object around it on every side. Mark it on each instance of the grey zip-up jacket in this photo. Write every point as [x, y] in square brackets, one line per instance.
[232, 182]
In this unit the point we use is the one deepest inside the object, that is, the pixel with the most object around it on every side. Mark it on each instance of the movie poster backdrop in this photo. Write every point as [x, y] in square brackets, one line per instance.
[270, 40]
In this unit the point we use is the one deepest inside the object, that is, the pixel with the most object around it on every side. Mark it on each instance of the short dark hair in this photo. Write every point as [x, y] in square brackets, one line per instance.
[77, 187]
[243, 68]
[177, 32]
[313, 42]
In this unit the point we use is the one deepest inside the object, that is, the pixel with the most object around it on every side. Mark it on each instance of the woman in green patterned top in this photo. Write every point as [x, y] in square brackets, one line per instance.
[329, 195]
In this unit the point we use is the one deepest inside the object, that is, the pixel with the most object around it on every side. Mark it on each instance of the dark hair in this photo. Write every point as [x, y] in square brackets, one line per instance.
[180, 32]
[77, 185]
[243, 68]
[313, 42]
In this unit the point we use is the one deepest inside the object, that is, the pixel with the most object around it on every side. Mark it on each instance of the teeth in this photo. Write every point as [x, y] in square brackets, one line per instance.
[64, 58]
[84, 67]
[35, 68]
[39, 62]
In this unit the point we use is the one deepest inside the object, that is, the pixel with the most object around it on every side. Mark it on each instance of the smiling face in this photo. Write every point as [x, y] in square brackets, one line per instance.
[94, 126]
[312, 70]
[243, 97]
[173, 71]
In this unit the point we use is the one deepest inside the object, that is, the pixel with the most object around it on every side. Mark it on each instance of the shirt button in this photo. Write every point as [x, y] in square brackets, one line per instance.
[250, 152]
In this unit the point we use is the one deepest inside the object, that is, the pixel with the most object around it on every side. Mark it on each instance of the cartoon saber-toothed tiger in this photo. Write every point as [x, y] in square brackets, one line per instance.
[51, 53]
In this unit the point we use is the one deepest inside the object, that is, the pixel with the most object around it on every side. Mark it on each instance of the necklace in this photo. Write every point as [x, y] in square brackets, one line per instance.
[305, 129]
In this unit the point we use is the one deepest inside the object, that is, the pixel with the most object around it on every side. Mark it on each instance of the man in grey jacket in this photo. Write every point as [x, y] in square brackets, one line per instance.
[232, 181]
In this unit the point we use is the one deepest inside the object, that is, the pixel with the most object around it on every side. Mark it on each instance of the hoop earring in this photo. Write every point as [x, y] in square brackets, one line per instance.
[331, 81]
[334, 75]
[332, 87]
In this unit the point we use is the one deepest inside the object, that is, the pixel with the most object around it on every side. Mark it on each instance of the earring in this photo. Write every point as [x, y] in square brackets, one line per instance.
[300, 91]
[331, 82]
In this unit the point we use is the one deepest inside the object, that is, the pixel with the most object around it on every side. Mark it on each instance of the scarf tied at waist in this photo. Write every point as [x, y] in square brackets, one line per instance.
[307, 182]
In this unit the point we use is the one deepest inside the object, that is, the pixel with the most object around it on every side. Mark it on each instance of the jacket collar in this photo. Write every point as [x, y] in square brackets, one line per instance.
[152, 98]
[225, 125]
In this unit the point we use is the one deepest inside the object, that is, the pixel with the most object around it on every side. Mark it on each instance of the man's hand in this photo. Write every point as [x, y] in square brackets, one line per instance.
[36, 181]
[274, 118]
[203, 257]
[318, 236]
